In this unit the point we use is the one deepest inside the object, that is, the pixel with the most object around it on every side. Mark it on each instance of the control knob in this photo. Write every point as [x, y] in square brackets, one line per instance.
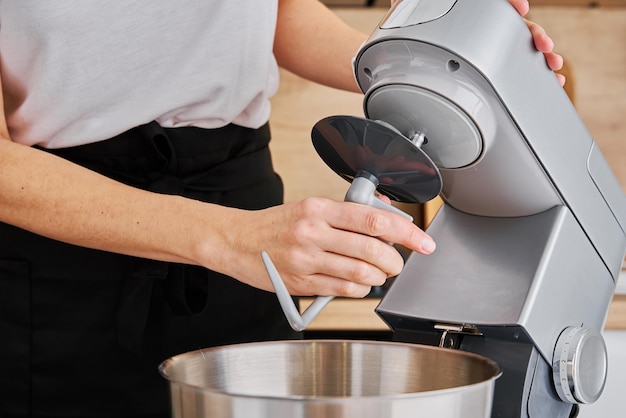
[580, 365]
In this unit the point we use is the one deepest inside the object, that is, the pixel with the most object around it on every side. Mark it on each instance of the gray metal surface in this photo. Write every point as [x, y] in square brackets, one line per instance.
[452, 139]
[330, 379]
[539, 272]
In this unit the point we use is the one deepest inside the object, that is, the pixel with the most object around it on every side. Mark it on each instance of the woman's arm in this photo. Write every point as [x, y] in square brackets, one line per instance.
[55, 198]
[320, 246]
[314, 43]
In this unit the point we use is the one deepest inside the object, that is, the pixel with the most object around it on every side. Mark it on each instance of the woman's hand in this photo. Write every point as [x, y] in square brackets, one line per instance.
[323, 247]
[542, 41]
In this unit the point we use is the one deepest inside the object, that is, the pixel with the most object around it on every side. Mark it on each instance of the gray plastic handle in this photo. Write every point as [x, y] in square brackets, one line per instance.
[362, 190]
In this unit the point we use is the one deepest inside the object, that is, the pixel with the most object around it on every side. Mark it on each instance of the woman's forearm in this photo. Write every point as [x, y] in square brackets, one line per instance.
[58, 199]
[321, 246]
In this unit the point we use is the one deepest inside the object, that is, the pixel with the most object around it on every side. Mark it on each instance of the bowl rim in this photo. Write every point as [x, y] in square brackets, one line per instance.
[497, 371]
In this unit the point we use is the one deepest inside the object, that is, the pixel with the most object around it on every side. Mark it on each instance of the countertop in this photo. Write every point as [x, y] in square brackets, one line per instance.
[358, 315]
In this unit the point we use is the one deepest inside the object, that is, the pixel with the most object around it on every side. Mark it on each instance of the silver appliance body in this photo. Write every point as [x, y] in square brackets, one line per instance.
[330, 379]
[531, 237]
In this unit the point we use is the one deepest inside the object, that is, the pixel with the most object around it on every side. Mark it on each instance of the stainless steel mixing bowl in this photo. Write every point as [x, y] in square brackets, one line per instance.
[330, 379]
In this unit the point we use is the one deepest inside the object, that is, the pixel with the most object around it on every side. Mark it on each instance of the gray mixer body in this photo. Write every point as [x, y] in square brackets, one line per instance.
[531, 237]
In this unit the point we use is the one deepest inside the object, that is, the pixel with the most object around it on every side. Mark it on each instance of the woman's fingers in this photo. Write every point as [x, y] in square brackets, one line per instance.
[324, 247]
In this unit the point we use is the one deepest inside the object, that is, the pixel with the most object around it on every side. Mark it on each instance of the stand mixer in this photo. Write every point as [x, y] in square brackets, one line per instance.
[531, 236]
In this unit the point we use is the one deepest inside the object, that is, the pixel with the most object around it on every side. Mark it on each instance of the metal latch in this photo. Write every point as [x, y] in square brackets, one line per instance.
[452, 333]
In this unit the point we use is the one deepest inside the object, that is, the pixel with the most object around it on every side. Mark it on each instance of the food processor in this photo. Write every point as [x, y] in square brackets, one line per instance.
[531, 236]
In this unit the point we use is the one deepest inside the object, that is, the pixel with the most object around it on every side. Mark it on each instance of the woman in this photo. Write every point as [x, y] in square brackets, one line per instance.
[137, 192]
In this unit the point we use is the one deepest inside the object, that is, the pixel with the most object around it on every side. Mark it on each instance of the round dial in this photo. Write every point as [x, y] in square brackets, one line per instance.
[580, 365]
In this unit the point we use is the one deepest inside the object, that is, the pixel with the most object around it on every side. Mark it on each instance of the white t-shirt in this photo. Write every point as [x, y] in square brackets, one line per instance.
[80, 71]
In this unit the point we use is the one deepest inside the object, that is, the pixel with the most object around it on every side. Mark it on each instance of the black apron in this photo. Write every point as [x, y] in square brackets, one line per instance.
[82, 331]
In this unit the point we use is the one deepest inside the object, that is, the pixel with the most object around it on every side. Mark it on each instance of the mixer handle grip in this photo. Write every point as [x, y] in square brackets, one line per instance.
[363, 190]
